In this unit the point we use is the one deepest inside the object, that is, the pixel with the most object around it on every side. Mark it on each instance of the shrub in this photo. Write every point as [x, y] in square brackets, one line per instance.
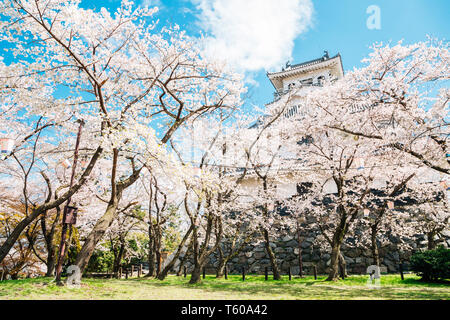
[432, 265]
[101, 261]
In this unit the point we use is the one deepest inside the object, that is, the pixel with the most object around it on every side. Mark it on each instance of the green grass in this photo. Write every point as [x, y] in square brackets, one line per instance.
[254, 287]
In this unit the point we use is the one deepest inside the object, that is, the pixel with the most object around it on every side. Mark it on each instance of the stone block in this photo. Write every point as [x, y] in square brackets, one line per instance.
[306, 244]
[259, 255]
[349, 260]
[279, 250]
[292, 243]
[295, 270]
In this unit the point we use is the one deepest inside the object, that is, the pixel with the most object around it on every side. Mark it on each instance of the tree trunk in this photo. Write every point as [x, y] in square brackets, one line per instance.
[183, 259]
[63, 250]
[374, 246]
[108, 218]
[118, 258]
[431, 242]
[151, 255]
[180, 268]
[220, 269]
[300, 259]
[158, 243]
[50, 263]
[336, 243]
[48, 240]
[271, 254]
[151, 239]
[158, 259]
[15, 234]
[202, 253]
[151, 259]
[96, 235]
[163, 274]
[201, 258]
[196, 274]
[342, 266]
[333, 275]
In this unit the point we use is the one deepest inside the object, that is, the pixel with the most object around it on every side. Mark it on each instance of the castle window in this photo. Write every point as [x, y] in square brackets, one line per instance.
[320, 80]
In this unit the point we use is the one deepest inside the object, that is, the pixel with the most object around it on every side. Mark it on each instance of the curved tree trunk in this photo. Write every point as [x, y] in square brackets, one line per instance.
[108, 218]
[163, 274]
[342, 266]
[220, 269]
[336, 243]
[333, 274]
[180, 268]
[201, 256]
[15, 234]
[272, 257]
[95, 236]
[48, 240]
[184, 258]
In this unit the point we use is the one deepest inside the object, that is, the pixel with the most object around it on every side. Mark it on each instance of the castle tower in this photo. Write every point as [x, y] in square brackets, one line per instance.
[314, 73]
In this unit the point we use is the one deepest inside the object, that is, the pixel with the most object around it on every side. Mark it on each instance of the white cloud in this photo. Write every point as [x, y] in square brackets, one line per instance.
[151, 3]
[253, 34]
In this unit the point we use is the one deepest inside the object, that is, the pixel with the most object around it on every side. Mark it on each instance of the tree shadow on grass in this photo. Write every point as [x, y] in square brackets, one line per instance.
[309, 289]
[254, 287]
[420, 282]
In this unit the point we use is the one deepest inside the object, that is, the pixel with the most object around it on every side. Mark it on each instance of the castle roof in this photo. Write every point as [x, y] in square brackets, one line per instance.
[304, 67]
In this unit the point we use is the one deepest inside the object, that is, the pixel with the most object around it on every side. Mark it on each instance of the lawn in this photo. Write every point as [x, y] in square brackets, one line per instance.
[254, 287]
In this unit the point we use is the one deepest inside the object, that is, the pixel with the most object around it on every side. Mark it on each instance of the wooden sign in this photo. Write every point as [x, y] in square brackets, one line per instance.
[71, 215]
[66, 164]
[6, 145]
[366, 212]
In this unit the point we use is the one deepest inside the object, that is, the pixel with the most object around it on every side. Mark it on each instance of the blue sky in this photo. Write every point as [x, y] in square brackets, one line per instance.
[336, 26]
[261, 35]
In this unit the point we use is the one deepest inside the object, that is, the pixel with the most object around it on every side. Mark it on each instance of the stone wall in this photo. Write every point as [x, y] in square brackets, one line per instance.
[254, 258]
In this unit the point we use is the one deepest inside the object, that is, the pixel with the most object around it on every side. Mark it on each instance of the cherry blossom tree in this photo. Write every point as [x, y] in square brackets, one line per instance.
[400, 98]
[432, 219]
[36, 168]
[375, 117]
[265, 151]
[116, 73]
[118, 234]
